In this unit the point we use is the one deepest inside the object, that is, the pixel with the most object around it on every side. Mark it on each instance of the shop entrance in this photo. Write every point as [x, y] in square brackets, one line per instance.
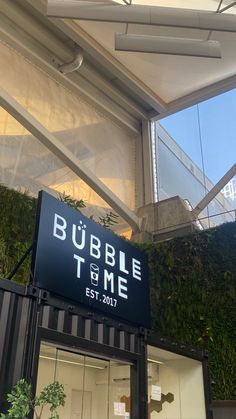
[95, 388]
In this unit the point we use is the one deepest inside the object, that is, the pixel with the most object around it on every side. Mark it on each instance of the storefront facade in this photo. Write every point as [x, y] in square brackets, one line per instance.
[87, 134]
[101, 349]
[105, 365]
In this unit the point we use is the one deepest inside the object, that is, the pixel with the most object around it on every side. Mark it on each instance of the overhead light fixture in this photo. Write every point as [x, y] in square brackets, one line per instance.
[65, 361]
[101, 10]
[143, 15]
[167, 45]
[155, 361]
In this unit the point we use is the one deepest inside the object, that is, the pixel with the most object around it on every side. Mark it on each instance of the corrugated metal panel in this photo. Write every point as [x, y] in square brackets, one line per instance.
[78, 324]
[14, 318]
[23, 310]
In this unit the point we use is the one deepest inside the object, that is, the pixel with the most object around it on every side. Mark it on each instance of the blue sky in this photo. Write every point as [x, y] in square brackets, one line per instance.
[218, 131]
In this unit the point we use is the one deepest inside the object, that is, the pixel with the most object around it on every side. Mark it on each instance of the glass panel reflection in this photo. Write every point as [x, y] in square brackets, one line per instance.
[120, 401]
[178, 174]
[175, 386]
[95, 388]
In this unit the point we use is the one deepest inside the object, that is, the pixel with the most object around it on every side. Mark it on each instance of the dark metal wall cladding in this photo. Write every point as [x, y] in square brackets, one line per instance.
[14, 317]
[26, 312]
[79, 324]
[19, 323]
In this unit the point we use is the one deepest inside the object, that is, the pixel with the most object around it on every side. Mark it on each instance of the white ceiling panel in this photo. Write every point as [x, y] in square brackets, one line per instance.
[160, 84]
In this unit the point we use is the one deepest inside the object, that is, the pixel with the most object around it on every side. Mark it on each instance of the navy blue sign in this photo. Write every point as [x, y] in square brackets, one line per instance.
[78, 259]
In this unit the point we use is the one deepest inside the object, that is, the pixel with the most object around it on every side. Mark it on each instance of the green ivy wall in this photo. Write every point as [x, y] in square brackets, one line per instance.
[193, 284]
[17, 221]
[193, 298]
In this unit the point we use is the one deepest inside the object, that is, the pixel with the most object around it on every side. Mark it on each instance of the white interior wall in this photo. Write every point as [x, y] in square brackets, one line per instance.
[183, 378]
[71, 376]
[98, 396]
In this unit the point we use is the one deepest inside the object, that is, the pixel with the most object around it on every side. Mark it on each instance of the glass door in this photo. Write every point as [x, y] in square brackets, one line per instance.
[95, 388]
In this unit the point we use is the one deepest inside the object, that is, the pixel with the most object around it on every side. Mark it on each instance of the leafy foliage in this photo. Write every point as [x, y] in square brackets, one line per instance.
[17, 225]
[108, 220]
[22, 402]
[193, 297]
[76, 204]
[17, 221]
[53, 395]
[19, 399]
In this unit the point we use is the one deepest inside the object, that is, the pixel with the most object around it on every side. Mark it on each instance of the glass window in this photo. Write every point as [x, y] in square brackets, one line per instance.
[175, 386]
[95, 388]
[175, 173]
[194, 149]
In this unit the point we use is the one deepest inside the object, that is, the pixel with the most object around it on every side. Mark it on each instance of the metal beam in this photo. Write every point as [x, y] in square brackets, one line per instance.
[198, 96]
[50, 48]
[59, 150]
[147, 163]
[214, 191]
[104, 58]
[74, 82]
[144, 15]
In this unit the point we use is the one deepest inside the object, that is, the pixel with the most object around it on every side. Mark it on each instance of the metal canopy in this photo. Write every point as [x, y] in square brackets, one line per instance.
[130, 88]
[162, 76]
[139, 85]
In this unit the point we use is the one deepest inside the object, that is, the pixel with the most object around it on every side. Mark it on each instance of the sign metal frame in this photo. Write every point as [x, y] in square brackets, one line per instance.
[79, 260]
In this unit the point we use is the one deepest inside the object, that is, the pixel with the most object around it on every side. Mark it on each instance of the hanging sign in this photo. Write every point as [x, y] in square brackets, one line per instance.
[78, 259]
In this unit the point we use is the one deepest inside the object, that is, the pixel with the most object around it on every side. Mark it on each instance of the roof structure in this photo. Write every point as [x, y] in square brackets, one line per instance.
[144, 85]
[128, 88]
[171, 82]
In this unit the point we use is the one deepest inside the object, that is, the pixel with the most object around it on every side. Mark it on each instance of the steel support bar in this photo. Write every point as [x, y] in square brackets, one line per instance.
[48, 48]
[59, 150]
[198, 96]
[144, 15]
[106, 60]
[227, 7]
[214, 191]
[147, 164]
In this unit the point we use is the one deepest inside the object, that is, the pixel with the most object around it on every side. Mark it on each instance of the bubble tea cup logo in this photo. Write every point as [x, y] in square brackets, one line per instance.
[94, 274]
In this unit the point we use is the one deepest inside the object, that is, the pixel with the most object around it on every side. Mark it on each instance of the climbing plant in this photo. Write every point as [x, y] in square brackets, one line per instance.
[193, 297]
[17, 221]
[17, 225]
